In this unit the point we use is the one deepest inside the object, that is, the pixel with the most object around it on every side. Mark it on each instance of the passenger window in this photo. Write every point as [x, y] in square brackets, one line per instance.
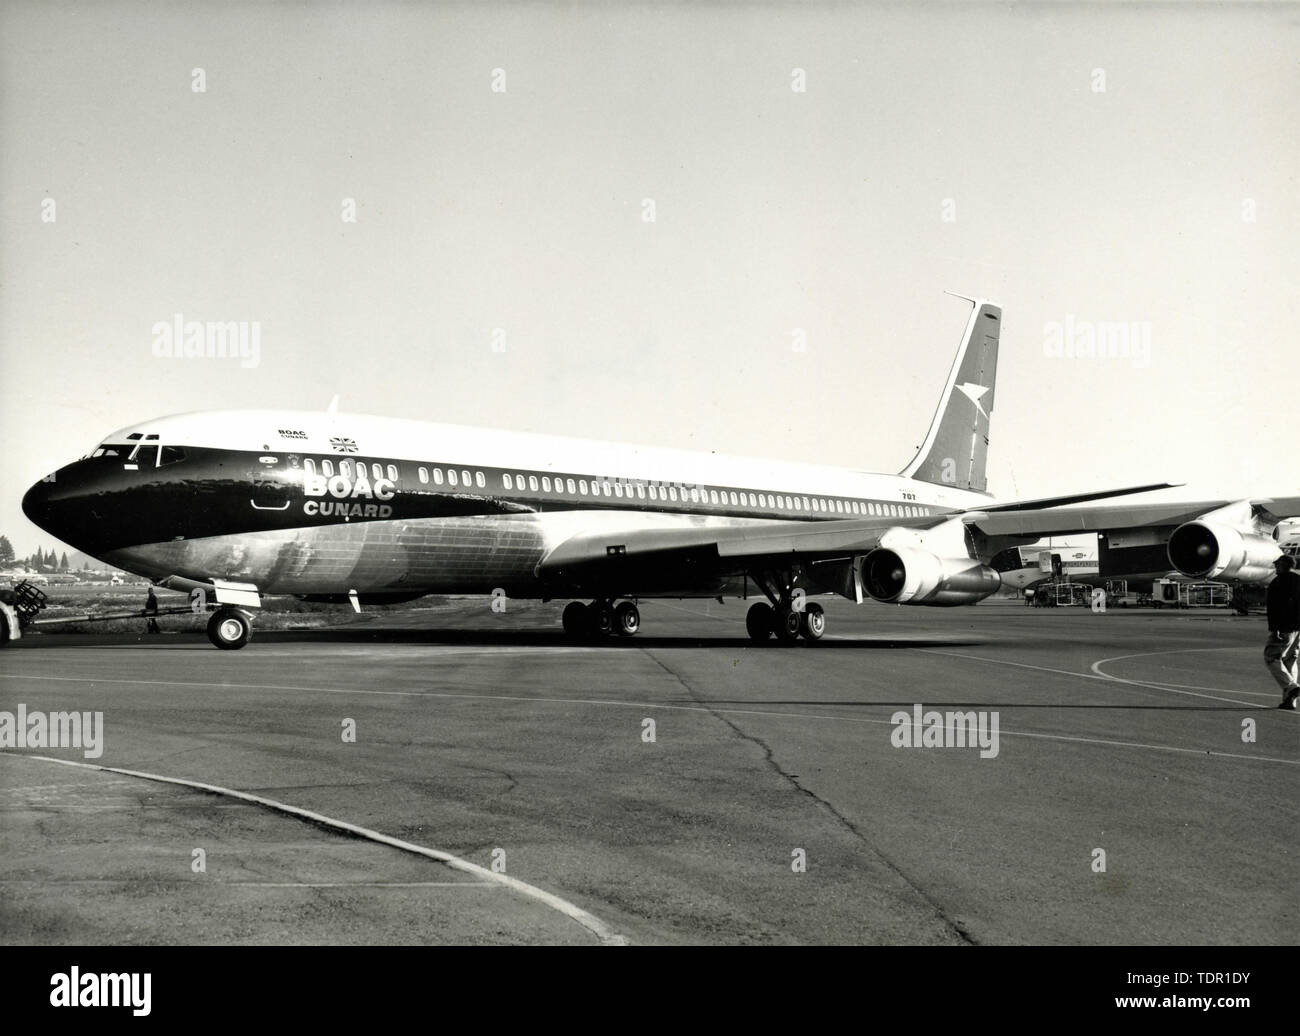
[582, 486]
[424, 476]
[464, 478]
[480, 480]
[345, 468]
[309, 466]
[505, 481]
[392, 472]
[672, 493]
[546, 484]
[604, 486]
[653, 493]
[327, 468]
[451, 476]
[437, 476]
[618, 489]
[532, 483]
[572, 488]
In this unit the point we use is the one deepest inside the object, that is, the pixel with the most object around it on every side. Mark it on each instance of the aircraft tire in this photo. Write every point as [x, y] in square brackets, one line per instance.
[812, 623]
[758, 622]
[786, 624]
[575, 619]
[627, 619]
[229, 629]
[600, 617]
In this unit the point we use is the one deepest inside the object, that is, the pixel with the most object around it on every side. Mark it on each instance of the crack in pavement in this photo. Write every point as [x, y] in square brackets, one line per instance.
[955, 927]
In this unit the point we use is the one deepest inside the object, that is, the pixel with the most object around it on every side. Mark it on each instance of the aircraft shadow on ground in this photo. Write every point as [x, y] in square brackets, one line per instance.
[495, 638]
[554, 639]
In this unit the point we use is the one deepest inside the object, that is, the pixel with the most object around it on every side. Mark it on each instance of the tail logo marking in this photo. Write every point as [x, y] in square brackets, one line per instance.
[974, 393]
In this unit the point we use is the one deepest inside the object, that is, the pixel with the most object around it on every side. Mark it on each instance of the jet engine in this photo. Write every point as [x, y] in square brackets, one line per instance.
[910, 575]
[1207, 549]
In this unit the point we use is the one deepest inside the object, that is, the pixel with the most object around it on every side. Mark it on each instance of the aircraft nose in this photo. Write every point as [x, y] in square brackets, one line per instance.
[36, 503]
[46, 505]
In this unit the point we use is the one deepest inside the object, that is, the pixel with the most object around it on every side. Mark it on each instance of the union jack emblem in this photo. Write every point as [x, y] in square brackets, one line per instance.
[343, 445]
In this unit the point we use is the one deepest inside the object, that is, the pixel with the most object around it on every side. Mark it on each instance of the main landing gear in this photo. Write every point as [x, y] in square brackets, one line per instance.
[790, 615]
[230, 628]
[601, 619]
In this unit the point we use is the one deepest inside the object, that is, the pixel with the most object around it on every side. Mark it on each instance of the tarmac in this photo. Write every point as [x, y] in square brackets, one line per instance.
[458, 776]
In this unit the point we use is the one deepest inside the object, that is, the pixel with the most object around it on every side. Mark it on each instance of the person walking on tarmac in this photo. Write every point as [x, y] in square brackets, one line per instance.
[1283, 648]
[150, 611]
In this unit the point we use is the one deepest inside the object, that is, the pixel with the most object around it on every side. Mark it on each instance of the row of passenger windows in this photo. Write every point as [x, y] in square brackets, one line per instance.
[718, 497]
[345, 468]
[580, 487]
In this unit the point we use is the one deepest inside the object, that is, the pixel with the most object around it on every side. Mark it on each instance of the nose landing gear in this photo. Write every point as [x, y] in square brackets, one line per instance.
[230, 628]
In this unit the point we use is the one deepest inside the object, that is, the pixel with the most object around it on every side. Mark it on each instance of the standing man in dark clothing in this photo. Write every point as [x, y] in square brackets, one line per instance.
[1283, 648]
[151, 610]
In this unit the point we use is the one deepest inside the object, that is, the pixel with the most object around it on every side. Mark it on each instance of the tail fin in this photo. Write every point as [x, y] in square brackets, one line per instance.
[956, 447]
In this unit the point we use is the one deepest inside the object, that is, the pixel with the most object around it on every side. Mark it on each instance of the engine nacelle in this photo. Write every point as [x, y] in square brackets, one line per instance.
[1207, 549]
[909, 575]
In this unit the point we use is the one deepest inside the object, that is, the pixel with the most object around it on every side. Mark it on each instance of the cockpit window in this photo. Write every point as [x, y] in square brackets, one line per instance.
[170, 455]
[112, 450]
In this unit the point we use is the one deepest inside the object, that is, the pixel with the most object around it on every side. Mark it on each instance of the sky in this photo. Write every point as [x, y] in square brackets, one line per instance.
[716, 227]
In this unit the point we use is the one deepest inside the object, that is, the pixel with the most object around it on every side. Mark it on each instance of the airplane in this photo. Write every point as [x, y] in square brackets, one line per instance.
[231, 506]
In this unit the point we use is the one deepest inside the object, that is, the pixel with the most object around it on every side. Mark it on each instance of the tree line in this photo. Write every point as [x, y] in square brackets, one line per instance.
[39, 561]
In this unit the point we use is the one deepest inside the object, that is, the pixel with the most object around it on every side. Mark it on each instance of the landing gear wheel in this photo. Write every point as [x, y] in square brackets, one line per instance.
[786, 623]
[601, 619]
[812, 624]
[575, 619]
[229, 629]
[627, 619]
[758, 622]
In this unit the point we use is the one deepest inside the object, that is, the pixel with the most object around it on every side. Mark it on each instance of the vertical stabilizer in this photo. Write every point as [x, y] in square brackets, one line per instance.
[955, 451]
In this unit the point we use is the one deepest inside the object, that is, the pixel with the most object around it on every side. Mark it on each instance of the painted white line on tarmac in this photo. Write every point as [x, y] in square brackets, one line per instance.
[1098, 675]
[588, 921]
[1096, 668]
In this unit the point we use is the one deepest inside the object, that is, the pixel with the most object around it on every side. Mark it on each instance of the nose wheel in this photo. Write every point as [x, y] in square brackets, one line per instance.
[230, 628]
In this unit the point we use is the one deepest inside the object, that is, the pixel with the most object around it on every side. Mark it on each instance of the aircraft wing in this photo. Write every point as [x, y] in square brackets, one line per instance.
[1061, 521]
[805, 541]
